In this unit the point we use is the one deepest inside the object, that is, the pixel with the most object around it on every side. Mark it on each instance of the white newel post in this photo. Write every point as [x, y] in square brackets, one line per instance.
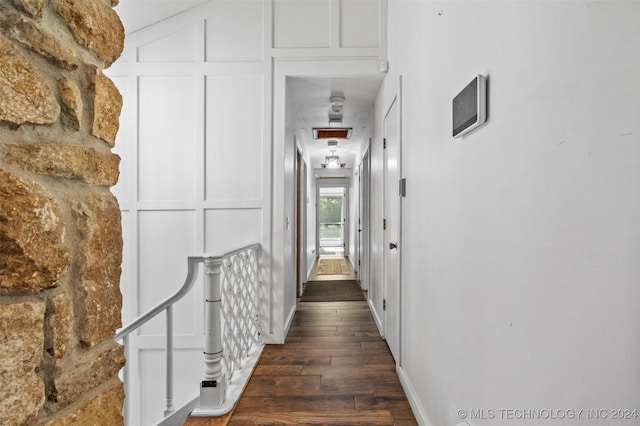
[213, 386]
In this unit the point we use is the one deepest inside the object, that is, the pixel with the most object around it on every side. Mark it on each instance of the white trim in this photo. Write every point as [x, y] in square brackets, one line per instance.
[376, 317]
[311, 268]
[417, 408]
[288, 323]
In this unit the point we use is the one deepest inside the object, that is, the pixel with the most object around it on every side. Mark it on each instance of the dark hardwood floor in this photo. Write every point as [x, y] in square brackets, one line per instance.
[334, 368]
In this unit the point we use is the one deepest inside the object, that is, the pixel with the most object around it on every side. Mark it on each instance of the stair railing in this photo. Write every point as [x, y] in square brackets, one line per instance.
[232, 326]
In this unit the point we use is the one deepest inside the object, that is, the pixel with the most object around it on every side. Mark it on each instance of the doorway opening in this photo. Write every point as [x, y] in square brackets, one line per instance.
[331, 221]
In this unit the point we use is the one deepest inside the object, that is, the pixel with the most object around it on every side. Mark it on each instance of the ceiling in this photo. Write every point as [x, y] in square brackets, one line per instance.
[309, 94]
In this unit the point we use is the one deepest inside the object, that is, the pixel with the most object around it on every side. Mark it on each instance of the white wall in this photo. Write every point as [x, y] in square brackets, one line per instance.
[521, 248]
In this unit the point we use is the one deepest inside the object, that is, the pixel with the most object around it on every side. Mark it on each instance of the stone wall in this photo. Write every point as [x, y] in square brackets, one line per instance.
[60, 236]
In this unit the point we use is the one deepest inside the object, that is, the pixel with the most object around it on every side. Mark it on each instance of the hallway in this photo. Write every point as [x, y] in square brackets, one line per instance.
[334, 368]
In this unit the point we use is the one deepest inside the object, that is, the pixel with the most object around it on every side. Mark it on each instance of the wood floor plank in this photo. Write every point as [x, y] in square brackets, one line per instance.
[336, 339]
[312, 404]
[365, 358]
[283, 386]
[277, 370]
[312, 343]
[319, 418]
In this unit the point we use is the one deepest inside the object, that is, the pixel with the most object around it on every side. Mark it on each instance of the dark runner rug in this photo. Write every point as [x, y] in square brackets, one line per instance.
[332, 291]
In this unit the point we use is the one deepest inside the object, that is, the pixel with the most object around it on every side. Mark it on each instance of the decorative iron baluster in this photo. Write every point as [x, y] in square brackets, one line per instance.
[240, 302]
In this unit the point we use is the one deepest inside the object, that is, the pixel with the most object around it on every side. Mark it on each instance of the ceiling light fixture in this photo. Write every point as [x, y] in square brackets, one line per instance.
[332, 161]
[335, 120]
[335, 113]
[337, 100]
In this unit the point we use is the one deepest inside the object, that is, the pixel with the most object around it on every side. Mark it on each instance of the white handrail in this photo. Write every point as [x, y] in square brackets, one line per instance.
[192, 273]
[213, 317]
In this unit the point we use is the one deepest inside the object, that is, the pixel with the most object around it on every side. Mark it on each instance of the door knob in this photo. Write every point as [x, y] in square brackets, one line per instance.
[393, 246]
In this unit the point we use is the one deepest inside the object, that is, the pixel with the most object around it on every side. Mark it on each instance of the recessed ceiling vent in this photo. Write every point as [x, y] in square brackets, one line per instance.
[331, 133]
[332, 142]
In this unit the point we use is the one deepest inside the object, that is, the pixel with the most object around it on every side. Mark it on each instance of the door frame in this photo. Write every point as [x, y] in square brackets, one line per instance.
[333, 183]
[301, 222]
[364, 213]
[278, 267]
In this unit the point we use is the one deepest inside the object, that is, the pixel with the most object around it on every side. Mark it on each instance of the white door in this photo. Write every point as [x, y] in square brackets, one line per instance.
[392, 288]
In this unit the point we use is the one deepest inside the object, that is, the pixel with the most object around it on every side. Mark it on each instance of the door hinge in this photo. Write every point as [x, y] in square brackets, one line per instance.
[384, 304]
[384, 143]
[358, 262]
[384, 223]
[403, 187]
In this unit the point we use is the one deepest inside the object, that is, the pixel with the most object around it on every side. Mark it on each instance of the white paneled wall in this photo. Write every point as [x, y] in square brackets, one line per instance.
[179, 46]
[234, 166]
[305, 24]
[219, 235]
[200, 169]
[359, 23]
[236, 32]
[167, 134]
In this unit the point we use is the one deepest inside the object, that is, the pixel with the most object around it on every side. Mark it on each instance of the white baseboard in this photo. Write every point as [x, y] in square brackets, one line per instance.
[311, 268]
[376, 318]
[287, 324]
[418, 410]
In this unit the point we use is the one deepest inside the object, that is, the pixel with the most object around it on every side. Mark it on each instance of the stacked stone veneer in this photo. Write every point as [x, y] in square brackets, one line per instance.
[60, 236]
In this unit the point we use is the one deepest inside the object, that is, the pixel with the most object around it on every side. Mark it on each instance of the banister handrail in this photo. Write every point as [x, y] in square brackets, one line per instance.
[192, 274]
[167, 305]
